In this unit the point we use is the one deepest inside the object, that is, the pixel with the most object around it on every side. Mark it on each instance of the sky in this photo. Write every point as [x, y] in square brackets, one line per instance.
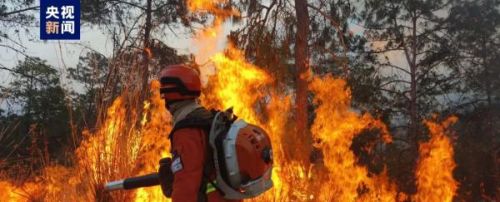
[63, 54]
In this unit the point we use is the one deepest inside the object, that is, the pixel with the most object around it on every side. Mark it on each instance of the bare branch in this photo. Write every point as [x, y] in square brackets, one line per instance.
[325, 15]
[340, 34]
[15, 50]
[127, 3]
[2, 67]
[397, 67]
[385, 50]
[394, 81]
[19, 11]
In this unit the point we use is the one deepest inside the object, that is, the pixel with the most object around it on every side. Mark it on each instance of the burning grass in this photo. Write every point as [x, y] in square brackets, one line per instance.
[121, 148]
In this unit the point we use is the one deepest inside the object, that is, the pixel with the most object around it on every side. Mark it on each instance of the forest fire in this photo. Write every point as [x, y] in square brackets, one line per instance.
[118, 149]
[336, 125]
[121, 148]
[434, 172]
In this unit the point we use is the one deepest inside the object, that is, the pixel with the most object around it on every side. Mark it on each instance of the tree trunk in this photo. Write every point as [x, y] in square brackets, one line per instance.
[302, 64]
[144, 90]
[413, 86]
[147, 51]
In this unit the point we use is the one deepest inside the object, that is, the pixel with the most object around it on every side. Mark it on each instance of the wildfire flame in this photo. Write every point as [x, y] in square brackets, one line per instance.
[336, 125]
[9, 192]
[120, 148]
[435, 167]
[208, 39]
[117, 150]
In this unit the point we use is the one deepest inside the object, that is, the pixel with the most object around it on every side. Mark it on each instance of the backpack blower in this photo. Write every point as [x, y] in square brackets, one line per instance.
[242, 157]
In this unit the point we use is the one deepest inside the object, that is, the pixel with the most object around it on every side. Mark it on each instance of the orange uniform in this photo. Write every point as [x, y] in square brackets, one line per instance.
[189, 154]
[192, 168]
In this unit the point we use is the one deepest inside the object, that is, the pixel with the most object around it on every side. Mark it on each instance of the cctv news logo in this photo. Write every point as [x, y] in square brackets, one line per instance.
[59, 19]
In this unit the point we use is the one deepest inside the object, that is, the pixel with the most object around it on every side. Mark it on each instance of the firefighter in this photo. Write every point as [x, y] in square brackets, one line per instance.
[191, 167]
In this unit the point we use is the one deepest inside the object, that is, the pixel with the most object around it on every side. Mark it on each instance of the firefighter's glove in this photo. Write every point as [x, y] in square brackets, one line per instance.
[166, 176]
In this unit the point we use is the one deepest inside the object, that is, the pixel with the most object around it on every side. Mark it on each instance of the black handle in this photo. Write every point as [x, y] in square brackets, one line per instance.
[142, 181]
[164, 178]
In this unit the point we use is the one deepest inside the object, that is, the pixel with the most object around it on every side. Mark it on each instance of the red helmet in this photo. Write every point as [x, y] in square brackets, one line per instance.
[179, 82]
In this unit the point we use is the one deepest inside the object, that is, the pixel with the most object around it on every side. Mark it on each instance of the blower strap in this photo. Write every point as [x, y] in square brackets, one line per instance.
[201, 118]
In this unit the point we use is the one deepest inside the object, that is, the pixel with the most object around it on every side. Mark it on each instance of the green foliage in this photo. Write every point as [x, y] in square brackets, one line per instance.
[40, 94]
[43, 116]
[91, 75]
[410, 47]
[474, 26]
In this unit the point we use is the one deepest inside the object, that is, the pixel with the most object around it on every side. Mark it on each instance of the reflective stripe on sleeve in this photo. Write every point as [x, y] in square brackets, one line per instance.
[210, 187]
